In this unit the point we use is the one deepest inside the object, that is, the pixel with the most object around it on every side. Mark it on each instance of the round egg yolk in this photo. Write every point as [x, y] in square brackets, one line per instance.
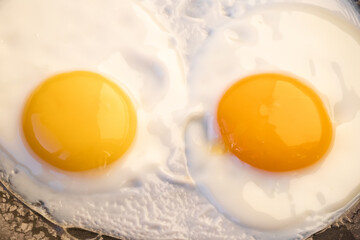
[274, 122]
[79, 121]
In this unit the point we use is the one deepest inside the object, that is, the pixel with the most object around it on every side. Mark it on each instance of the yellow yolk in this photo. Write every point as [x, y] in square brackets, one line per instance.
[274, 122]
[79, 121]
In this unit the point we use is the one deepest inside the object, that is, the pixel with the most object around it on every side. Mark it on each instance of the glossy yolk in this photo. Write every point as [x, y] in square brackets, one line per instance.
[274, 122]
[79, 121]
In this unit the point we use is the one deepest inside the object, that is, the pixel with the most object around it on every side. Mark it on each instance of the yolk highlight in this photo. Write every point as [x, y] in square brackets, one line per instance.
[79, 121]
[274, 122]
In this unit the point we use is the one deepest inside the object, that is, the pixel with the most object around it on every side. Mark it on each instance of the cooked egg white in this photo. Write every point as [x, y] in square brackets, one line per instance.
[156, 190]
[102, 74]
[277, 40]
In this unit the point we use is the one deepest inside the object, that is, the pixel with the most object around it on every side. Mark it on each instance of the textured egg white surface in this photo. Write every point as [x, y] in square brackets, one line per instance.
[149, 195]
[120, 40]
[294, 39]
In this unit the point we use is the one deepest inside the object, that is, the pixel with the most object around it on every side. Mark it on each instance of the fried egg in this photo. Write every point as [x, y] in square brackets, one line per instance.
[87, 90]
[273, 139]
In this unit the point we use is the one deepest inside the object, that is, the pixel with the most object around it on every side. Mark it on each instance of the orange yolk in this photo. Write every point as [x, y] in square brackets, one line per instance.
[79, 121]
[274, 122]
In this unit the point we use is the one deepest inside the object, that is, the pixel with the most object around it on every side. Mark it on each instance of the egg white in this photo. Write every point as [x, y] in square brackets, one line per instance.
[142, 197]
[317, 47]
[119, 40]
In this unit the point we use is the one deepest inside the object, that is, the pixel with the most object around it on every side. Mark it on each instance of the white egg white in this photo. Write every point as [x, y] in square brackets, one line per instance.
[119, 40]
[159, 191]
[316, 46]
